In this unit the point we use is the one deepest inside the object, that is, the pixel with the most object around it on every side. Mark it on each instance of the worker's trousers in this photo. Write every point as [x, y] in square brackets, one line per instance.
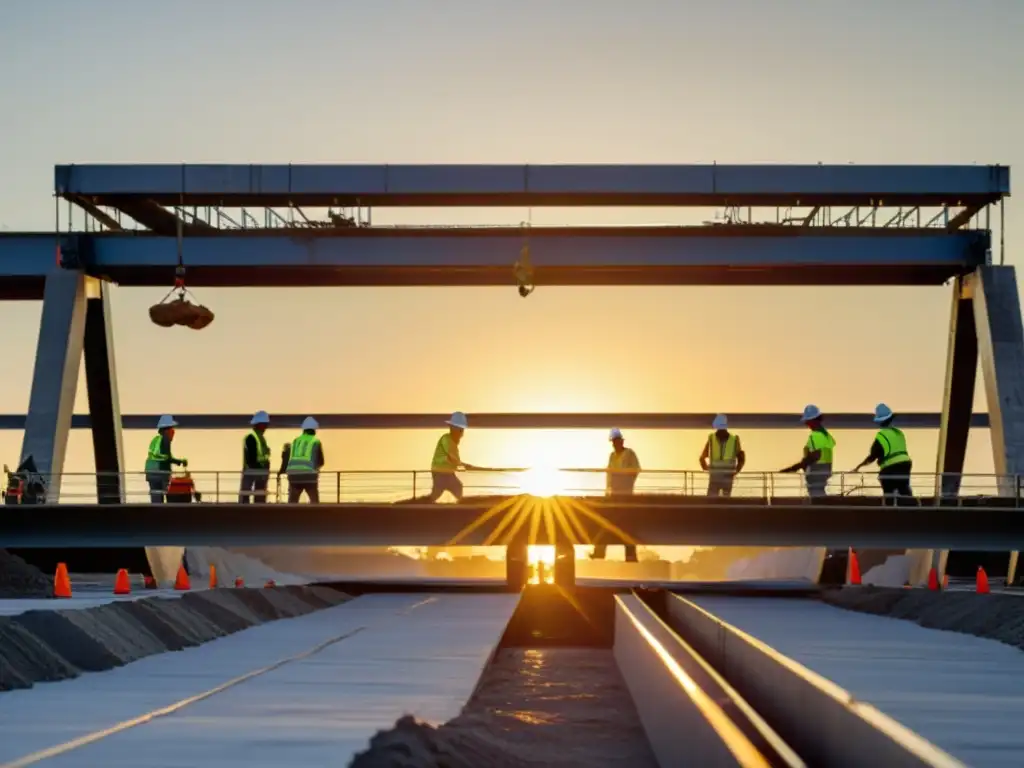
[158, 482]
[817, 476]
[720, 482]
[254, 485]
[895, 480]
[441, 482]
[299, 483]
[601, 548]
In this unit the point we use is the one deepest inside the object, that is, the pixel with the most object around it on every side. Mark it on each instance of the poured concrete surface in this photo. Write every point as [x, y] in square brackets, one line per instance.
[347, 672]
[962, 693]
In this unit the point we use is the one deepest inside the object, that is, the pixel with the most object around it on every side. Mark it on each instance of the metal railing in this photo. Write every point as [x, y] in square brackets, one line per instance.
[386, 486]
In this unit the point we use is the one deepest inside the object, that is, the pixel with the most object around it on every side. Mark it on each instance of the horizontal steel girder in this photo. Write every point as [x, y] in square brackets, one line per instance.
[996, 526]
[563, 185]
[240, 421]
[477, 257]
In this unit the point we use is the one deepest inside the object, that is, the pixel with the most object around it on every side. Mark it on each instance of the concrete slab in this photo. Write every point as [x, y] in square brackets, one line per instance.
[80, 598]
[960, 692]
[369, 662]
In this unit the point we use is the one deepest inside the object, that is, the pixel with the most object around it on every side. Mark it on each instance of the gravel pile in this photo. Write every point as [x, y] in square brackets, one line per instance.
[552, 707]
[19, 579]
[43, 646]
[993, 616]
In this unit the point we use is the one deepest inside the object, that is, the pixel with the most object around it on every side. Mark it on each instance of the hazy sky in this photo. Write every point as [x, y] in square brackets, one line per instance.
[876, 81]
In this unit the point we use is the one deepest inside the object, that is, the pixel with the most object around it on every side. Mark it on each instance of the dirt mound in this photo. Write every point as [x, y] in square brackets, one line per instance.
[44, 646]
[19, 579]
[994, 616]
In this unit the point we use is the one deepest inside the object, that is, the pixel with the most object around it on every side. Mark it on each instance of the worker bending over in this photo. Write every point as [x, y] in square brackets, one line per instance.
[302, 460]
[255, 461]
[620, 479]
[818, 452]
[723, 457]
[159, 459]
[447, 461]
[890, 451]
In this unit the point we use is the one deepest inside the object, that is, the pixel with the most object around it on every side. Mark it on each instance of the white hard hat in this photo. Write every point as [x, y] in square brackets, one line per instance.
[615, 434]
[166, 422]
[882, 413]
[458, 420]
[260, 417]
[310, 423]
[721, 422]
[811, 412]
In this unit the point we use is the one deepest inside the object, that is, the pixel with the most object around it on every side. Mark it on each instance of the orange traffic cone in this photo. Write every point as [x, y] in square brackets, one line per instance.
[270, 583]
[854, 577]
[945, 581]
[981, 583]
[933, 580]
[181, 582]
[122, 586]
[213, 577]
[61, 581]
[239, 582]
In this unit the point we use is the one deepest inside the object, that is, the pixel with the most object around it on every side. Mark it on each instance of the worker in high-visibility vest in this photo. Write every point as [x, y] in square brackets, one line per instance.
[159, 459]
[255, 461]
[302, 460]
[890, 451]
[723, 457]
[818, 453]
[620, 480]
[447, 461]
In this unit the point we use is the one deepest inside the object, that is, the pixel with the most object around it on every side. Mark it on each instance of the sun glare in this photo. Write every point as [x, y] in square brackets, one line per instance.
[541, 559]
[542, 481]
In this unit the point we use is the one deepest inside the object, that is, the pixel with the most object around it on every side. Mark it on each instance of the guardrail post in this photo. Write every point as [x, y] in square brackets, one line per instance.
[337, 487]
[517, 561]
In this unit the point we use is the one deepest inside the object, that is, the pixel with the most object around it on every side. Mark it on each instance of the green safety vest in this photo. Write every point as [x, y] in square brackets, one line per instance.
[722, 456]
[441, 462]
[156, 461]
[300, 457]
[894, 443]
[820, 440]
[262, 449]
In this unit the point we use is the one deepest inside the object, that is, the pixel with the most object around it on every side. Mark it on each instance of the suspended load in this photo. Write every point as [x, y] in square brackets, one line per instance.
[179, 310]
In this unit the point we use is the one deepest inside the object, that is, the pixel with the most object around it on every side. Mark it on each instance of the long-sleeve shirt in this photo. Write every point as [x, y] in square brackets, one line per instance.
[286, 452]
[623, 468]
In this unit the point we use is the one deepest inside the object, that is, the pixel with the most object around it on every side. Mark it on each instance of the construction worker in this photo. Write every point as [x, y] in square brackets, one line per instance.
[620, 479]
[255, 461]
[890, 451]
[723, 457]
[302, 460]
[818, 452]
[159, 459]
[447, 460]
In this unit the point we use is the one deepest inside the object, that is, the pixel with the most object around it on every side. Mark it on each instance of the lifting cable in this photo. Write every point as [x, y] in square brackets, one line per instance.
[523, 268]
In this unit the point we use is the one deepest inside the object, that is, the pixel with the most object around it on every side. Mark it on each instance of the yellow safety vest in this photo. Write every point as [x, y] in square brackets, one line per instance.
[300, 457]
[722, 456]
[820, 440]
[445, 448]
[894, 443]
[155, 460]
[262, 449]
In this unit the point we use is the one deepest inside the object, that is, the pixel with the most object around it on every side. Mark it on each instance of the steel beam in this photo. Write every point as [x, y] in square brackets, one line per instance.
[689, 523]
[55, 377]
[104, 405]
[738, 421]
[536, 185]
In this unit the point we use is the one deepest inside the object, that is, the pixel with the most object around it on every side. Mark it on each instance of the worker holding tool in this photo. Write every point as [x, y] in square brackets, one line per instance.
[255, 461]
[723, 457]
[890, 451]
[620, 478]
[818, 452]
[302, 460]
[159, 459]
[447, 461]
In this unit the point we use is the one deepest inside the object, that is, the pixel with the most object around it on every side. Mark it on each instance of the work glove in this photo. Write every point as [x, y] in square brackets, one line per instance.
[184, 462]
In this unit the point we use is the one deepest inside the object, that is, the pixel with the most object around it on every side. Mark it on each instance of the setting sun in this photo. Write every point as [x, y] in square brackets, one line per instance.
[542, 481]
[541, 558]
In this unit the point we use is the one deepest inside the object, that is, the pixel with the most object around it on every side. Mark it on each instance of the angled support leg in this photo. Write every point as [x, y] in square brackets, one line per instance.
[1001, 345]
[104, 407]
[55, 377]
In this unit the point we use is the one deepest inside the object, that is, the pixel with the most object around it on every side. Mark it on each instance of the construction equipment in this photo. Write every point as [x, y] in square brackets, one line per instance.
[180, 311]
[182, 489]
[25, 485]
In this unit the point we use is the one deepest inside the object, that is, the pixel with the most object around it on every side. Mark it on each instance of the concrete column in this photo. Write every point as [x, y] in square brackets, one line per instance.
[104, 405]
[55, 376]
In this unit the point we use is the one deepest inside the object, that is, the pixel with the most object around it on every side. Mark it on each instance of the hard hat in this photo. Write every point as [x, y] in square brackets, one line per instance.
[615, 434]
[166, 422]
[458, 420]
[721, 422]
[882, 413]
[811, 412]
[260, 417]
[310, 423]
